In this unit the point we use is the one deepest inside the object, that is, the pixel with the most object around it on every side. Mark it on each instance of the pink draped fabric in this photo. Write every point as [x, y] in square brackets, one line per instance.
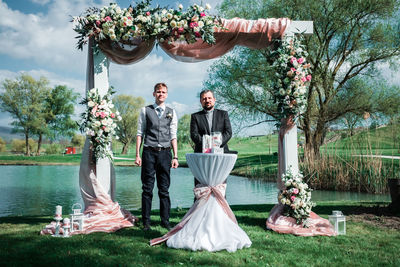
[128, 53]
[255, 34]
[287, 225]
[202, 193]
[102, 214]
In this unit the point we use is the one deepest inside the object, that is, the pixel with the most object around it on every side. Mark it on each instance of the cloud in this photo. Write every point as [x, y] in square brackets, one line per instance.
[46, 38]
[40, 2]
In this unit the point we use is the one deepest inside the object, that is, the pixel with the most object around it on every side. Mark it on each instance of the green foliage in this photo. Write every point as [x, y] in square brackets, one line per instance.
[363, 245]
[23, 99]
[184, 132]
[58, 112]
[2, 145]
[129, 109]
[78, 140]
[53, 149]
[350, 38]
[18, 145]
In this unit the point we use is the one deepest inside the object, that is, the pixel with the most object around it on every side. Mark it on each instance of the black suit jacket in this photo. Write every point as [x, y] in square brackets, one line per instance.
[199, 127]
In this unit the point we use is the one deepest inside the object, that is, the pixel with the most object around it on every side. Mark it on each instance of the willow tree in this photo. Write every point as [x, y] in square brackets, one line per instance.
[351, 41]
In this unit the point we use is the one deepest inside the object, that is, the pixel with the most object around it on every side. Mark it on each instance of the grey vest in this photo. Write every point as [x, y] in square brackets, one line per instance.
[157, 129]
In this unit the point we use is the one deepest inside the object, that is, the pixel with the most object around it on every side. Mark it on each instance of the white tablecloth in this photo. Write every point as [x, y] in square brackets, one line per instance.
[210, 228]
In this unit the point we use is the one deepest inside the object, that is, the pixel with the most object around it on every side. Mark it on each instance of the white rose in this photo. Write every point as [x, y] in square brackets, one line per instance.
[118, 10]
[157, 25]
[91, 103]
[119, 117]
[104, 122]
[164, 11]
[93, 91]
[106, 129]
[283, 201]
[96, 124]
[180, 6]
[173, 23]
[208, 6]
[169, 16]
[201, 24]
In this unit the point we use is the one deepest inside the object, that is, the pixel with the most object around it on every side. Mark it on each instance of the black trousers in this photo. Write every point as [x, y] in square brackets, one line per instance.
[156, 164]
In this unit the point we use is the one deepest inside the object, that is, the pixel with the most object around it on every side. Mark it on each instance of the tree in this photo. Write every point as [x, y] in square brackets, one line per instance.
[23, 99]
[184, 131]
[59, 109]
[78, 140]
[350, 39]
[2, 145]
[129, 108]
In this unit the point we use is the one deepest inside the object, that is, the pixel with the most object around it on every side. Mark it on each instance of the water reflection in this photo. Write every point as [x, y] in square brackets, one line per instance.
[36, 190]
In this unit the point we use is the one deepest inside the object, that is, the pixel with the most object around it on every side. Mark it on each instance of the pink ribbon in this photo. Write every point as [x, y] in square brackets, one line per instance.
[202, 193]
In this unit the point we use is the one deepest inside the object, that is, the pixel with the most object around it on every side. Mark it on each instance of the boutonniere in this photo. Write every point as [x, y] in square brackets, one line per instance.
[169, 115]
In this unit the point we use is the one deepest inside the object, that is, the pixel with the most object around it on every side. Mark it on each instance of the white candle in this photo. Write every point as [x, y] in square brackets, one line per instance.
[66, 222]
[58, 210]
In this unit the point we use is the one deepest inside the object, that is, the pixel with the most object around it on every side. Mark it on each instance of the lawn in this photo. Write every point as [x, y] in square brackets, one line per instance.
[365, 244]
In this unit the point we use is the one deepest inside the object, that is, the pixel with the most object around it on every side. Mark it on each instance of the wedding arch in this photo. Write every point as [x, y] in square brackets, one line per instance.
[187, 42]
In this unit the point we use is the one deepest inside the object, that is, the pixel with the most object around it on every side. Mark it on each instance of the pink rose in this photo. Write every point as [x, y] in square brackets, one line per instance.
[202, 14]
[293, 69]
[193, 24]
[197, 34]
[303, 79]
[181, 30]
[293, 60]
[102, 115]
[295, 191]
[98, 22]
[97, 114]
[148, 13]
[112, 115]
[104, 127]
[292, 198]
[107, 18]
[308, 77]
[300, 60]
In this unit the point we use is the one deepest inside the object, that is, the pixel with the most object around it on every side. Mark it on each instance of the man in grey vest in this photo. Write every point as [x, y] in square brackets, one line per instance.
[157, 125]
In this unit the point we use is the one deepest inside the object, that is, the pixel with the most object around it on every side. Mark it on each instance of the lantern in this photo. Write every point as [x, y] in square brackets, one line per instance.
[338, 220]
[77, 217]
[66, 226]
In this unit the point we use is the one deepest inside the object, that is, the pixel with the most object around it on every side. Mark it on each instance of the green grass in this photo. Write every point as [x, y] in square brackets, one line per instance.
[364, 245]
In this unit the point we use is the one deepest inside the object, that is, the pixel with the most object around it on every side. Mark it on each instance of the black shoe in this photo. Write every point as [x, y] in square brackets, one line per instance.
[146, 227]
[166, 225]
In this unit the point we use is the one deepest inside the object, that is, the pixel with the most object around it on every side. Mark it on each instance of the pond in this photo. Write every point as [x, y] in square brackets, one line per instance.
[36, 190]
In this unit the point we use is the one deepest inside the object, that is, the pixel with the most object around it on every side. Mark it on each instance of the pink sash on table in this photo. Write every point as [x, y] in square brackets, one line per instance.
[202, 193]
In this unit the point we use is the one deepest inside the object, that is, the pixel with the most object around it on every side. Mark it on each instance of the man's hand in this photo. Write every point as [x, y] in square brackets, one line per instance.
[175, 163]
[138, 161]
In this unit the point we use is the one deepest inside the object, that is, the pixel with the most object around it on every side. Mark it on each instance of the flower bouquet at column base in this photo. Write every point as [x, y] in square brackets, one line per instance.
[292, 214]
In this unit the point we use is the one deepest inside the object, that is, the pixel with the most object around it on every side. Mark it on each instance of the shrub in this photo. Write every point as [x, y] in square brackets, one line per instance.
[53, 149]
[18, 145]
[78, 140]
[2, 145]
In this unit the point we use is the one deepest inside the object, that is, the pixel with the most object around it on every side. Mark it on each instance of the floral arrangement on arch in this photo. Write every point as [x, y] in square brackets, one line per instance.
[142, 21]
[292, 77]
[99, 122]
[296, 198]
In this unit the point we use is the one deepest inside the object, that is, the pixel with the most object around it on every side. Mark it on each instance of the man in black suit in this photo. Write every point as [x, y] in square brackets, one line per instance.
[209, 120]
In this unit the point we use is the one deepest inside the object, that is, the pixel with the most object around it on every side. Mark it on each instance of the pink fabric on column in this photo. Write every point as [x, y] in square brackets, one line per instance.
[202, 193]
[287, 225]
[255, 34]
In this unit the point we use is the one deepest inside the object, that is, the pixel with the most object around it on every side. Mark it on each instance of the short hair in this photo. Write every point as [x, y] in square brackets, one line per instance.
[159, 85]
[206, 91]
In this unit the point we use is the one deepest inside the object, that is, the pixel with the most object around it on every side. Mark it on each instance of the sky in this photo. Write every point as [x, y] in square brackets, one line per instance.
[38, 39]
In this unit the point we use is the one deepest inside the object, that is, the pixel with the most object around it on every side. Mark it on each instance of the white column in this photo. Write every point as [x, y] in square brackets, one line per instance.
[103, 165]
[289, 142]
